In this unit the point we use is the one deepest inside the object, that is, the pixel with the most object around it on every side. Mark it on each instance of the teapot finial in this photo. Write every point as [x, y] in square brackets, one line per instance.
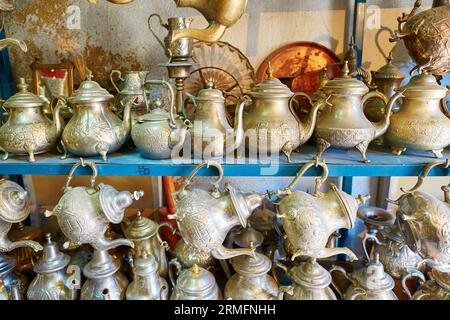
[48, 237]
[363, 199]
[22, 85]
[390, 58]
[269, 70]
[89, 75]
[195, 269]
[210, 84]
[345, 70]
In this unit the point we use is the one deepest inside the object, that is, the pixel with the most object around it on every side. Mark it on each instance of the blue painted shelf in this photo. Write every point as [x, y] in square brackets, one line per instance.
[340, 162]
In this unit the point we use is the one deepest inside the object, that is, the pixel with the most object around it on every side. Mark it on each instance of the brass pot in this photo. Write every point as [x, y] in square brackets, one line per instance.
[437, 288]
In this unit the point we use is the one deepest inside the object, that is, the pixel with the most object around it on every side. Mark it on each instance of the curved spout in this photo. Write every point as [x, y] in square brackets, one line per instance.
[56, 118]
[307, 127]
[382, 126]
[7, 246]
[103, 244]
[238, 125]
[213, 33]
[222, 253]
[13, 42]
[126, 122]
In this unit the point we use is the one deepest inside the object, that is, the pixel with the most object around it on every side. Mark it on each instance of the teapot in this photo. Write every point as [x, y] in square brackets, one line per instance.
[309, 220]
[4, 43]
[437, 288]
[370, 283]
[157, 134]
[94, 129]
[13, 286]
[147, 283]
[342, 122]
[51, 281]
[144, 233]
[174, 49]
[423, 35]
[220, 14]
[420, 123]
[28, 130]
[196, 283]
[211, 127]
[424, 220]
[84, 213]
[271, 124]
[310, 281]
[204, 231]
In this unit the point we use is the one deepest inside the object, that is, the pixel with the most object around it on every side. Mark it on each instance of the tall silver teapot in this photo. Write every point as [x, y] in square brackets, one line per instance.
[196, 283]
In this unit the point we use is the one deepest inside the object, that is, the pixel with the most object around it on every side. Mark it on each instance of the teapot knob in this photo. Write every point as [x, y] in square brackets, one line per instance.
[363, 199]
[22, 85]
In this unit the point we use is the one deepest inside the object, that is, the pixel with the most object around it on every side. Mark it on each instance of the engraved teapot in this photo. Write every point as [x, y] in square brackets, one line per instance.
[28, 131]
[211, 127]
[369, 283]
[52, 282]
[220, 14]
[196, 283]
[342, 122]
[147, 283]
[420, 123]
[204, 231]
[437, 288]
[157, 134]
[309, 220]
[94, 129]
[271, 124]
[84, 213]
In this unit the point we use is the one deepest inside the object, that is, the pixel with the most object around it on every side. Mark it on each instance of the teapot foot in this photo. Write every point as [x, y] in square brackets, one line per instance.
[322, 146]
[102, 150]
[398, 150]
[5, 154]
[362, 148]
[438, 153]
[287, 150]
[65, 152]
[30, 154]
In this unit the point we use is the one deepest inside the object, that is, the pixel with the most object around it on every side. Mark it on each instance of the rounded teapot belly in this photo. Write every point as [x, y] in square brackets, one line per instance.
[152, 142]
[94, 289]
[244, 288]
[353, 293]
[344, 137]
[301, 293]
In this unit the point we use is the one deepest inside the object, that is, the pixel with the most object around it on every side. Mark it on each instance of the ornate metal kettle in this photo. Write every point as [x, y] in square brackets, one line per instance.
[157, 134]
[28, 130]
[309, 220]
[84, 213]
[211, 126]
[342, 122]
[221, 14]
[204, 231]
[52, 282]
[94, 129]
[420, 124]
[437, 288]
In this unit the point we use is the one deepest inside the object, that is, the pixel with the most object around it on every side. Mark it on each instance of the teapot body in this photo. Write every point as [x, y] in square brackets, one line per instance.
[240, 287]
[111, 287]
[50, 286]
[305, 293]
[358, 293]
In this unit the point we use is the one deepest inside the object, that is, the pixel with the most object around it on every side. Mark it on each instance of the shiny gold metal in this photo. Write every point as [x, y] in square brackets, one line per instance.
[24, 255]
[13, 42]
[437, 288]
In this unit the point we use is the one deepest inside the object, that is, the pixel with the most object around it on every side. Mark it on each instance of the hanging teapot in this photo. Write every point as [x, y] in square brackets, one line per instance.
[420, 123]
[342, 122]
[157, 134]
[211, 129]
[309, 220]
[204, 231]
[271, 124]
[51, 281]
[370, 283]
[28, 131]
[147, 283]
[196, 283]
[94, 129]
[84, 213]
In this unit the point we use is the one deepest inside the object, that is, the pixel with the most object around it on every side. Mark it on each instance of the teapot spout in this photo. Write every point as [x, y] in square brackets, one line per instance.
[126, 122]
[56, 118]
[13, 42]
[222, 253]
[213, 33]
[103, 244]
[382, 126]
[238, 125]
[306, 128]
[7, 246]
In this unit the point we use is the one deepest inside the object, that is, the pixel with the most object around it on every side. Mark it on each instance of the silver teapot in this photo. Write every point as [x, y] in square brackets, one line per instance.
[51, 281]
[437, 288]
[28, 131]
[204, 231]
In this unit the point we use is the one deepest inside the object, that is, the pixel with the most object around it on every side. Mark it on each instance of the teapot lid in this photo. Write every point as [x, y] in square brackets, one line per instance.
[249, 236]
[310, 274]
[52, 259]
[141, 228]
[210, 94]
[145, 265]
[196, 280]
[90, 91]
[14, 203]
[373, 276]
[23, 98]
[7, 264]
[271, 87]
[158, 114]
[250, 266]
[346, 82]
[111, 205]
[441, 278]
[349, 205]
[389, 70]
[424, 83]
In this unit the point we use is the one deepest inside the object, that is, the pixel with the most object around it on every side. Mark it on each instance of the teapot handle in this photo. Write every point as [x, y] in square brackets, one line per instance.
[375, 94]
[174, 263]
[172, 123]
[445, 105]
[333, 282]
[119, 75]
[411, 274]
[445, 163]
[215, 184]
[277, 265]
[163, 243]
[164, 25]
[364, 244]
[83, 163]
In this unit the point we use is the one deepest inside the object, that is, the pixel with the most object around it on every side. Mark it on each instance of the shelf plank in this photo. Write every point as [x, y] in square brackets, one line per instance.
[340, 163]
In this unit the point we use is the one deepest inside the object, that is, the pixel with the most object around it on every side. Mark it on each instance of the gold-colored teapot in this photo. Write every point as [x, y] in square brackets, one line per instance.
[309, 220]
[342, 122]
[28, 131]
[420, 123]
[437, 288]
[221, 14]
[204, 231]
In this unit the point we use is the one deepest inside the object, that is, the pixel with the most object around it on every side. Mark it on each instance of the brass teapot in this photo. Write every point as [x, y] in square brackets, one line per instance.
[196, 283]
[52, 282]
[369, 283]
[157, 134]
[271, 124]
[28, 131]
[204, 231]
[84, 213]
[420, 123]
[437, 288]
[309, 220]
[342, 122]
[147, 283]
[211, 127]
[94, 129]
[220, 14]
